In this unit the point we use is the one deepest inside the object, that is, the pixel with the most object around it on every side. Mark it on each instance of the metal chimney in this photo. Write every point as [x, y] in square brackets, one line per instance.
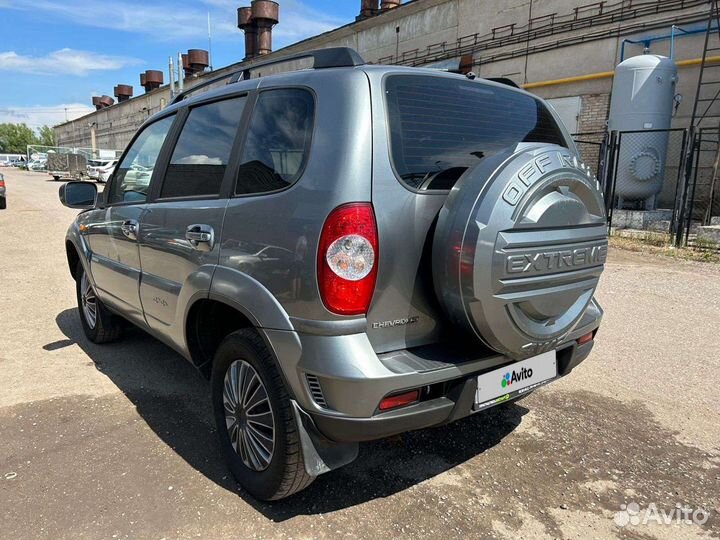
[247, 25]
[96, 102]
[198, 60]
[151, 79]
[386, 5]
[187, 70]
[123, 92]
[368, 8]
[265, 15]
[106, 101]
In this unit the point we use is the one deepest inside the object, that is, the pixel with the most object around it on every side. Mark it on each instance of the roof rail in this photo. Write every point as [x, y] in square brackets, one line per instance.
[322, 59]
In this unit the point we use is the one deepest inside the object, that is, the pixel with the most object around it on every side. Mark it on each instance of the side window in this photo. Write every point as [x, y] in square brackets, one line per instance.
[132, 177]
[198, 163]
[278, 141]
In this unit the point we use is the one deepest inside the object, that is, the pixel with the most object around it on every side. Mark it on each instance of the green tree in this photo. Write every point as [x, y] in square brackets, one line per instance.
[46, 136]
[14, 138]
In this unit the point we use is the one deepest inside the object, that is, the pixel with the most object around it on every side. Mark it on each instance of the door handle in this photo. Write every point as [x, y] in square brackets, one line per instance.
[201, 237]
[130, 228]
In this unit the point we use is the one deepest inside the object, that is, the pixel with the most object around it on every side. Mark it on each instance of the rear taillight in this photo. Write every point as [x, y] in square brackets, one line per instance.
[399, 400]
[348, 259]
[2, 182]
[587, 338]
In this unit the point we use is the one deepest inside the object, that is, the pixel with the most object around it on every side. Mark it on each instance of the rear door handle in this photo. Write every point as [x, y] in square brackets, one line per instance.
[201, 237]
[130, 228]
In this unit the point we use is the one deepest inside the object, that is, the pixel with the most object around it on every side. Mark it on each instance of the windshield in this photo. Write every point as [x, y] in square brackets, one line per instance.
[439, 127]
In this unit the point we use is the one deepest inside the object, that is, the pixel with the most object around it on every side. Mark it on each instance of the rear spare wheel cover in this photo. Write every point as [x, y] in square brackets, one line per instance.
[519, 248]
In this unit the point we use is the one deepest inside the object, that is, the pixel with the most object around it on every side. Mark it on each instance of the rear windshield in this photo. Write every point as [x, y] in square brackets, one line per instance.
[440, 126]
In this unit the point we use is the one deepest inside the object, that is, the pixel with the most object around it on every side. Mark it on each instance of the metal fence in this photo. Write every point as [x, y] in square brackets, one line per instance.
[591, 147]
[643, 180]
[662, 185]
[37, 154]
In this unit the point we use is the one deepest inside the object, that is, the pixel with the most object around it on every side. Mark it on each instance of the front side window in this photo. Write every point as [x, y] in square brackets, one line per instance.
[440, 127]
[278, 141]
[132, 177]
[198, 163]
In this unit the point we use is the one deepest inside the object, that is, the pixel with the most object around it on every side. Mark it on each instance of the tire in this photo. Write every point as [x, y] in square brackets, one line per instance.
[266, 475]
[3, 203]
[56, 178]
[106, 327]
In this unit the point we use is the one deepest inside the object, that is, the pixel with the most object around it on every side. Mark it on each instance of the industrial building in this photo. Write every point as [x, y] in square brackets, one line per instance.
[565, 51]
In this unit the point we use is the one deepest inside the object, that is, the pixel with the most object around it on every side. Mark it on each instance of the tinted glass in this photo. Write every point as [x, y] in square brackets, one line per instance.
[441, 126]
[278, 141]
[132, 176]
[198, 163]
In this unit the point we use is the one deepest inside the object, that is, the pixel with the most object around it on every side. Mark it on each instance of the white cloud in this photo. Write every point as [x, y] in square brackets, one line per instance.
[42, 115]
[165, 21]
[63, 62]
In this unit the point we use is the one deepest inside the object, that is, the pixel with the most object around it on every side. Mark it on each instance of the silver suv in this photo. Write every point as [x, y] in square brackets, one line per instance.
[347, 252]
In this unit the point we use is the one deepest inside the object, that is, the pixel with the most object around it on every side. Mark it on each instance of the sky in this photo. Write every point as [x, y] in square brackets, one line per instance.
[56, 54]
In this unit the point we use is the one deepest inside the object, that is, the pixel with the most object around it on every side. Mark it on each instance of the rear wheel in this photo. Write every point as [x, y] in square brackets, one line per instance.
[255, 422]
[99, 325]
[3, 203]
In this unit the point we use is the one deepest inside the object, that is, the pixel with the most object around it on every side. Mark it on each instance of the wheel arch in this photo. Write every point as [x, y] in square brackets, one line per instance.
[208, 322]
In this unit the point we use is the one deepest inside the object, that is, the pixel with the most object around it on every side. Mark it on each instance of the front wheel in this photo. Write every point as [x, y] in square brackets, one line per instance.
[255, 422]
[99, 325]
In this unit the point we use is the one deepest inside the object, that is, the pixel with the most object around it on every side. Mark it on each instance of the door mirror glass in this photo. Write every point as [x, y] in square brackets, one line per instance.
[81, 195]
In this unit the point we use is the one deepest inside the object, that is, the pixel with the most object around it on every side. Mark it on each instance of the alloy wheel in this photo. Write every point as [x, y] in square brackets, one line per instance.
[248, 416]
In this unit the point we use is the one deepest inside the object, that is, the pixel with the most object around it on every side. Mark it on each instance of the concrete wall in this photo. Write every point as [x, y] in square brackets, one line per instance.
[437, 25]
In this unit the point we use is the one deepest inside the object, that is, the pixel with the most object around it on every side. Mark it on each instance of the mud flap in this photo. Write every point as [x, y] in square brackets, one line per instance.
[320, 454]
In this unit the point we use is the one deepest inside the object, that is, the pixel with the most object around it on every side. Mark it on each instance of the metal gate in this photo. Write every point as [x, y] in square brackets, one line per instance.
[646, 190]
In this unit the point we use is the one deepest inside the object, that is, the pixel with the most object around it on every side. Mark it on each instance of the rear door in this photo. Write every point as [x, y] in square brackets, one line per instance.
[181, 230]
[427, 131]
[112, 230]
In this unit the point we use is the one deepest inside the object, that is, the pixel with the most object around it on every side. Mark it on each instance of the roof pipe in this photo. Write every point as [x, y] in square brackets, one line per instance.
[171, 69]
[646, 41]
[610, 74]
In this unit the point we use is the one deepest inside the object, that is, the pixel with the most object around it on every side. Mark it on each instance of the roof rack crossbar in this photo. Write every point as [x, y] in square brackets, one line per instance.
[322, 59]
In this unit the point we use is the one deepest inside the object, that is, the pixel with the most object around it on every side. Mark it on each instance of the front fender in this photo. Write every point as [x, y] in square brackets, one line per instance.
[74, 239]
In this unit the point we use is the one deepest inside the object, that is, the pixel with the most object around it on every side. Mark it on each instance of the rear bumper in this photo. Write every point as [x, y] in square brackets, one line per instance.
[458, 403]
[352, 380]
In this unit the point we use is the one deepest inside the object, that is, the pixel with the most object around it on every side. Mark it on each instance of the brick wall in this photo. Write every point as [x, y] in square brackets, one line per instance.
[593, 116]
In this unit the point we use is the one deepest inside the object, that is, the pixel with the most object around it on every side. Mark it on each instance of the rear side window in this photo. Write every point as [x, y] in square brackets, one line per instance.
[440, 127]
[278, 141]
[198, 163]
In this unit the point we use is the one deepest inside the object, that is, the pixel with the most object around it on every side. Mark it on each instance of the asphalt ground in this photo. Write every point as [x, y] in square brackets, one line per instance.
[117, 441]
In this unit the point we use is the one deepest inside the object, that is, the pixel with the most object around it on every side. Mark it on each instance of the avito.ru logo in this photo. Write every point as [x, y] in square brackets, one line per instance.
[515, 376]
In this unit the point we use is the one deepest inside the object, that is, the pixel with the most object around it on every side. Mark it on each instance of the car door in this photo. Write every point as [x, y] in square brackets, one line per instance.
[181, 229]
[112, 229]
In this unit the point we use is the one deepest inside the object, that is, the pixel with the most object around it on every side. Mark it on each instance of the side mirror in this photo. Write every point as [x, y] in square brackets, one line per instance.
[80, 195]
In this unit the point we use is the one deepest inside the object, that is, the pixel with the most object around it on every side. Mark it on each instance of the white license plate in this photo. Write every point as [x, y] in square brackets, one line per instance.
[510, 381]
